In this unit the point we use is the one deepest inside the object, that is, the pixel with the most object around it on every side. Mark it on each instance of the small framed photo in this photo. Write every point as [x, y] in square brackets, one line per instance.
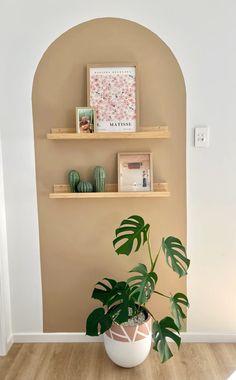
[85, 120]
[135, 171]
[112, 91]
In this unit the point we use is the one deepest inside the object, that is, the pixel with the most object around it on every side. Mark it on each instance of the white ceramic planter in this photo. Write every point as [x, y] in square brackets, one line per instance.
[129, 346]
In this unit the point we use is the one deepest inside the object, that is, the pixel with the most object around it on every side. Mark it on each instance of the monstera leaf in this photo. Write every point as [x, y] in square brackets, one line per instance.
[98, 322]
[120, 302]
[132, 230]
[175, 255]
[161, 331]
[116, 297]
[176, 310]
[121, 312]
[143, 284]
[120, 292]
[103, 292]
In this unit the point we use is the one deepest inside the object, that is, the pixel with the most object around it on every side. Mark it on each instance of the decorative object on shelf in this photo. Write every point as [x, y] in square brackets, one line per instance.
[135, 171]
[112, 91]
[85, 187]
[73, 179]
[85, 119]
[100, 176]
[123, 318]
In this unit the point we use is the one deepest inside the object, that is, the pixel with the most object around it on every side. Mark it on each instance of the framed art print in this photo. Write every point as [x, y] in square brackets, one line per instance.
[112, 91]
[135, 171]
[85, 119]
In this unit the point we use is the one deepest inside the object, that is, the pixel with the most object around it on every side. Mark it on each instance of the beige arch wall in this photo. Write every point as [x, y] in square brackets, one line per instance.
[76, 235]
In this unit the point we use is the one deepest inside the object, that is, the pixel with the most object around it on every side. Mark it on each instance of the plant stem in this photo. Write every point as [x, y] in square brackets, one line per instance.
[150, 250]
[151, 314]
[155, 261]
[161, 294]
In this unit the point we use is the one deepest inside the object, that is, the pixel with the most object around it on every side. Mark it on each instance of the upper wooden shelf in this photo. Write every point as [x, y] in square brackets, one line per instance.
[160, 132]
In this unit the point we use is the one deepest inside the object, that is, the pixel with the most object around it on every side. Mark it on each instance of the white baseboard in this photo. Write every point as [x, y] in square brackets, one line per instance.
[6, 347]
[56, 338]
[208, 337]
[82, 338]
[10, 342]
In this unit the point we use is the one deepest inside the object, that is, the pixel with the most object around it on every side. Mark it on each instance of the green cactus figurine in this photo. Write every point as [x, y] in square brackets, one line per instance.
[100, 176]
[73, 179]
[84, 187]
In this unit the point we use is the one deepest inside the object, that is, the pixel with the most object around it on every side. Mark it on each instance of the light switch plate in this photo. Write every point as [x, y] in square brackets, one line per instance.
[201, 137]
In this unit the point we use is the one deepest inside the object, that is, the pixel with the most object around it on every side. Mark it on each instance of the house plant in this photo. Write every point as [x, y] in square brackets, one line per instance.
[124, 315]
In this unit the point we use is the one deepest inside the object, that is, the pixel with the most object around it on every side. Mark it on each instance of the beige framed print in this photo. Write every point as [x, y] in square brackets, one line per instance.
[135, 172]
[85, 119]
[112, 91]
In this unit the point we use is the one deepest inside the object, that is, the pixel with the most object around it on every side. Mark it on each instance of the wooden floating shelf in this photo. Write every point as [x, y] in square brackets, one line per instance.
[63, 191]
[160, 132]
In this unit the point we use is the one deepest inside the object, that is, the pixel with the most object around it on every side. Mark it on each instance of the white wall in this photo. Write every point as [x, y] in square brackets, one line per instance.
[5, 307]
[202, 36]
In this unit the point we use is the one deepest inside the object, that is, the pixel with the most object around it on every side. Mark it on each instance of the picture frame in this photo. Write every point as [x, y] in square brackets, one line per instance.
[85, 119]
[112, 89]
[135, 171]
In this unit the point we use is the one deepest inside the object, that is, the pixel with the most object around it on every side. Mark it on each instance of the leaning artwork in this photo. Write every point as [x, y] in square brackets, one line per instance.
[112, 91]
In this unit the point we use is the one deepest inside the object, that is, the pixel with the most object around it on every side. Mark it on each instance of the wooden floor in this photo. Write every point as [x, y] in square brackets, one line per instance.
[88, 361]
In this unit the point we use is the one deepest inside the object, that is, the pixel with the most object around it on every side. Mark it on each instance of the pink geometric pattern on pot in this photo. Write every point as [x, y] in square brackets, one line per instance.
[130, 333]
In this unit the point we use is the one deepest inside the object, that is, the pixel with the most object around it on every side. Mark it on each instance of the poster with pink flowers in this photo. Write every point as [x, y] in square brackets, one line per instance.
[112, 92]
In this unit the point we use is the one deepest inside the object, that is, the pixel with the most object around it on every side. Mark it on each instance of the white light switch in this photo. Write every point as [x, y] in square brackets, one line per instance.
[201, 137]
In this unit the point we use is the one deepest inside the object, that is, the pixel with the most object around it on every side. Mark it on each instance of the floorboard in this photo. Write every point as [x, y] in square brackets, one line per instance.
[88, 361]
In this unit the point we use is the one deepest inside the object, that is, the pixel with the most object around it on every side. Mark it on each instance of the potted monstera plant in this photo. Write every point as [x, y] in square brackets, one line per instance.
[128, 325]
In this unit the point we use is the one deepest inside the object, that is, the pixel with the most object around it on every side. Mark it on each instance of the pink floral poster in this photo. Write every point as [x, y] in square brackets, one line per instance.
[112, 92]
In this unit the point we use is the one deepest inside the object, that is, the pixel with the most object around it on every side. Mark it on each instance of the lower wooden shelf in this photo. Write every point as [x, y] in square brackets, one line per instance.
[63, 192]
